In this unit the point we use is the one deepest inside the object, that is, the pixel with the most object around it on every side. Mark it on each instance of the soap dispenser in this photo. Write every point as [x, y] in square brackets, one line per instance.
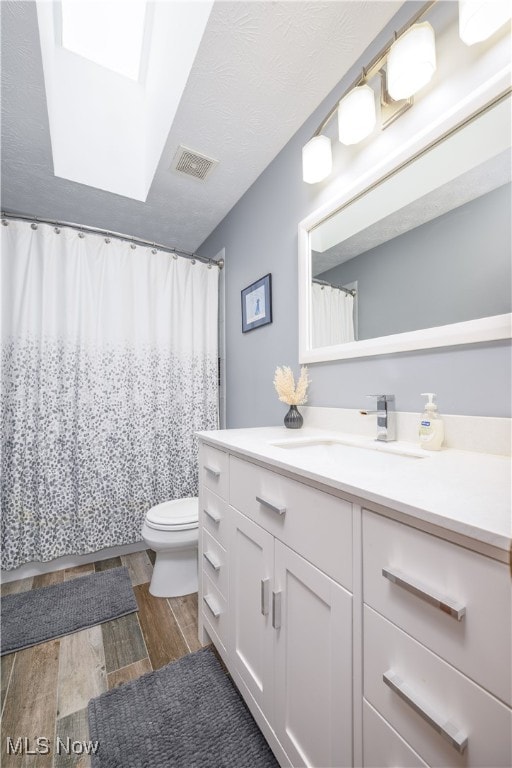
[431, 425]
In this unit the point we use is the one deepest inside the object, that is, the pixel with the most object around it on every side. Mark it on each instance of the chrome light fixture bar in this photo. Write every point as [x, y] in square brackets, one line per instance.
[317, 163]
[404, 66]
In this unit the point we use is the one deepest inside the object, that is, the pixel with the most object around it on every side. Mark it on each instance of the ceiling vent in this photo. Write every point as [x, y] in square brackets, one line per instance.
[193, 163]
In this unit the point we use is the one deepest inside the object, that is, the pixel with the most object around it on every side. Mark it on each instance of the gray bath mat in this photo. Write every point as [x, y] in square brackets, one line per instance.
[33, 617]
[185, 715]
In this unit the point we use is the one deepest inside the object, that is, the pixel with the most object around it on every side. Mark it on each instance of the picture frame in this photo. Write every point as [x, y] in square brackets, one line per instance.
[257, 304]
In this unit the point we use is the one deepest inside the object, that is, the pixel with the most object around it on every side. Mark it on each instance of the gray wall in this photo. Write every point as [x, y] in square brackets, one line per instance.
[260, 236]
[454, 268]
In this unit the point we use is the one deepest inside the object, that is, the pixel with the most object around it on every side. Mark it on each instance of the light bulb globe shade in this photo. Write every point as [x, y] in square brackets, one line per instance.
[356, 115]
[316, 159]
[411, 61]
[479, 19]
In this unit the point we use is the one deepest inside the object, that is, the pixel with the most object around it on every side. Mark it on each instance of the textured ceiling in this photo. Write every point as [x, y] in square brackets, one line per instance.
[261, 70]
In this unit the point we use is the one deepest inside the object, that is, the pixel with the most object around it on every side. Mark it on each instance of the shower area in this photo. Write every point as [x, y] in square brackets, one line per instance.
[109, 367]
[333, 313]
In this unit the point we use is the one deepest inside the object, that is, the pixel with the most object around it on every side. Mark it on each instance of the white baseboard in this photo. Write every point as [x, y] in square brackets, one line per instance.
[69, 561]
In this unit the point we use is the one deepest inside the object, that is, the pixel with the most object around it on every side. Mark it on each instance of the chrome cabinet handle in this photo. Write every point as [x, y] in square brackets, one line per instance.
[445, 604]
[213, 560]
[211, 471]
[213, 515]
[265, 596]
[276, 609]
[212, 606]
[269, 505]
[457, 738]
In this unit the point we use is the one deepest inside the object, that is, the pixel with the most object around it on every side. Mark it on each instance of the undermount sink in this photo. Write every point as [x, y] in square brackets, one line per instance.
[307, 445]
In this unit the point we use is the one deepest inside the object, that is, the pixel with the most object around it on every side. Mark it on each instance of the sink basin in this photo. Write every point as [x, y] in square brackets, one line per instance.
[307, 445]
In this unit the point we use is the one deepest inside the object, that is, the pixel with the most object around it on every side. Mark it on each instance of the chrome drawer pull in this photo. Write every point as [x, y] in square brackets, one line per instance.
[212, 515]
[211, 471]
[276, 609]
[456, 737]
[212, 606]
[273, 507]
[214, 562]
[265, 596]
[451, 607]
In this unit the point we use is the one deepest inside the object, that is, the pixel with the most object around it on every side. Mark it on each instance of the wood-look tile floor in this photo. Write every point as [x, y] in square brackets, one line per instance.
[45, 689]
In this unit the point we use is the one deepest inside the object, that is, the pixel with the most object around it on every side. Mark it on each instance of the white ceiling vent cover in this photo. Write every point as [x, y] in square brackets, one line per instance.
[193, 163]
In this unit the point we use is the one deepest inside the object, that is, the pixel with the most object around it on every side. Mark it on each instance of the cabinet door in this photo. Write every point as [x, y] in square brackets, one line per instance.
[251, 570]
[313, 663]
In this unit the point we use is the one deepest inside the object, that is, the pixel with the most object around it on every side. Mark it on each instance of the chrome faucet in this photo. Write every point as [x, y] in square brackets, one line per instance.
[386, 423]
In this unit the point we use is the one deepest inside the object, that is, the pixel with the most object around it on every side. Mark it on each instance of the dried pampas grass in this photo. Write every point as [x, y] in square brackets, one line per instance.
[284, 384]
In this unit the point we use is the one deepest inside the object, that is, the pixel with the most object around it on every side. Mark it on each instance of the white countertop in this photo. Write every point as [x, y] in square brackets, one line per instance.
[462, 492]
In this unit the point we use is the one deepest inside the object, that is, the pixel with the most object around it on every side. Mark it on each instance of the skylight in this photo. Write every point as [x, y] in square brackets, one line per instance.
[109, 33]
[132, 112]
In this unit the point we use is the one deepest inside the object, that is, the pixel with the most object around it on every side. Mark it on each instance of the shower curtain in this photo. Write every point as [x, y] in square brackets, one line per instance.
[109, 365]
[332, 314]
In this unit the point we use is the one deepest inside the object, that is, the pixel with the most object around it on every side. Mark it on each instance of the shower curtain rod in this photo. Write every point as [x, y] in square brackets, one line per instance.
[128, 238]
[350, 291]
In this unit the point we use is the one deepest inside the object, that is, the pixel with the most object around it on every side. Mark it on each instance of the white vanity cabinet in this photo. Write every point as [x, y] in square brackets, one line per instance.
[357, 636]
[213, 538]
[290, 618]
[312, 663]
[437, 647]
[291, 635]
[287, 639]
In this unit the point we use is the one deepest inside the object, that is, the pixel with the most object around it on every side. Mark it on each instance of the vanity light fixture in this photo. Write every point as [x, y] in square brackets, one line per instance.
[411, 61]
[397, 72]
[356, 109]
[479, 19]
[356, 115]
[316, 159]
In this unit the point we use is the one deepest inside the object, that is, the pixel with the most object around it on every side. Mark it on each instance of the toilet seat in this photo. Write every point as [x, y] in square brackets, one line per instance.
[177, 515]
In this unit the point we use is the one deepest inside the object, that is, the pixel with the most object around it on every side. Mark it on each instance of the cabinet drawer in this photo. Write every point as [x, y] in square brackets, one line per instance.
[314, 524]
[215, 612]
[214, 516]
[382, 746]
[215, 563]
[214, 470]
[452, 578]
[421, 686]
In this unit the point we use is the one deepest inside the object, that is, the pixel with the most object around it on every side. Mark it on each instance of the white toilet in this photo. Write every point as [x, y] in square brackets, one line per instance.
[171, 530]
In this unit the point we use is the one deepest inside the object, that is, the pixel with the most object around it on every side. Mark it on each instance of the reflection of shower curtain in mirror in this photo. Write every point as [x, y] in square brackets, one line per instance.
[332, 316]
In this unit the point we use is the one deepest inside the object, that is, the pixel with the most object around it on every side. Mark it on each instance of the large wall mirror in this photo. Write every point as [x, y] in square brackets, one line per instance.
[421, 258]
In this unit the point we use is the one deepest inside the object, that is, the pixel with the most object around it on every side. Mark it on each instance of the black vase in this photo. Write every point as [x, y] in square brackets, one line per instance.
[293, 419]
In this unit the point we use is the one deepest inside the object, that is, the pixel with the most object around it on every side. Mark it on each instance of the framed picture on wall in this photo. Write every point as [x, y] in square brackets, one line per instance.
[257, 304]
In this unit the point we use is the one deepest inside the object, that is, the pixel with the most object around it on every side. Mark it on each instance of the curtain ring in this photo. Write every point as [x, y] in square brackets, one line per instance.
[192, 261]
[175, 255]
[133, 246]
[5, 222]
[81, 235]
[107, 240]
[33, 225]
[154, 251]
[56, 230]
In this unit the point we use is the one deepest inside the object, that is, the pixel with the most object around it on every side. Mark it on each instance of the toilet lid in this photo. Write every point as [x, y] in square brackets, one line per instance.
[177, 515]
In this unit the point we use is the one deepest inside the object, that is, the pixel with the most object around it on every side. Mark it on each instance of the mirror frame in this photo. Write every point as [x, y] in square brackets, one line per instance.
[467, 332]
